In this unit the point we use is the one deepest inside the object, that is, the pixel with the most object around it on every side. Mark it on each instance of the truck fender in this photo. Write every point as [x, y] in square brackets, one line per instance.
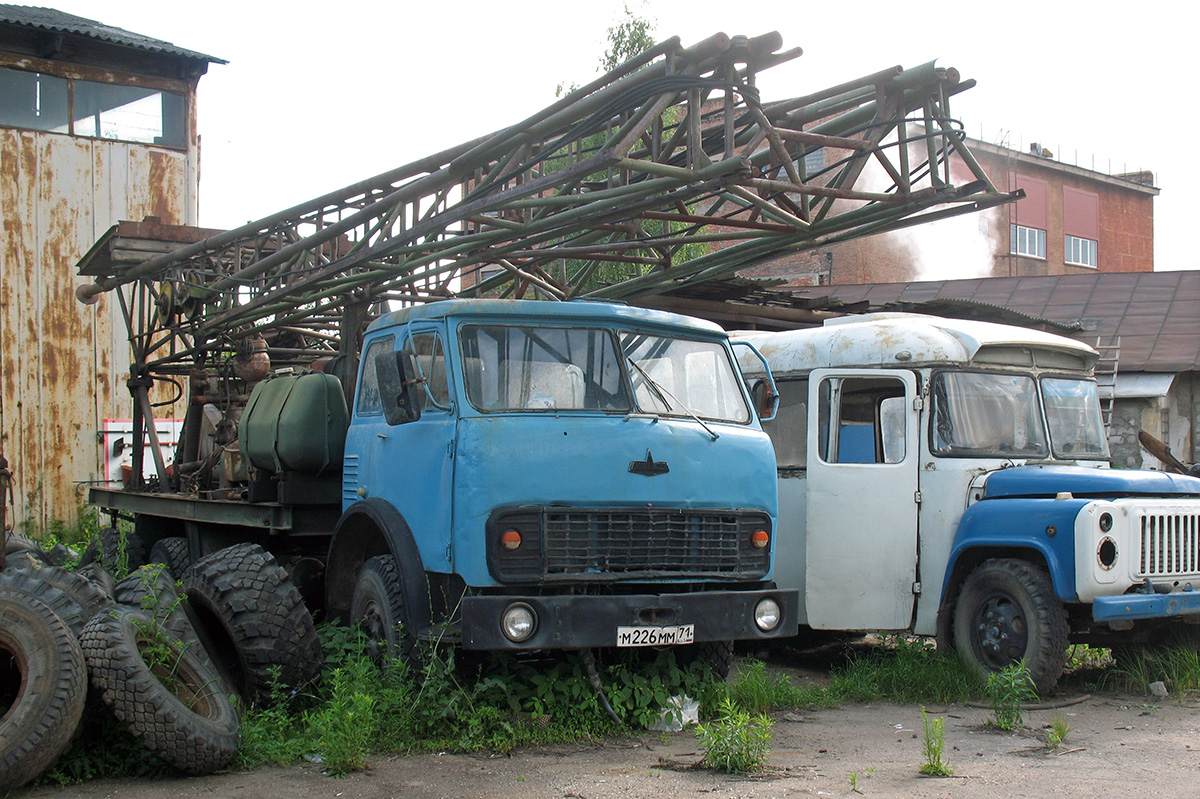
[964, 560]
[368, 528]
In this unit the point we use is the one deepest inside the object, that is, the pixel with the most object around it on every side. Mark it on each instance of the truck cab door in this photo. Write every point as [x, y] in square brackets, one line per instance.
[861, 543]
[411, 464]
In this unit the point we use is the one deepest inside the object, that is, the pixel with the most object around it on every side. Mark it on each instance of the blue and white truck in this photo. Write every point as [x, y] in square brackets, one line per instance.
[951, 478]
[508, 474]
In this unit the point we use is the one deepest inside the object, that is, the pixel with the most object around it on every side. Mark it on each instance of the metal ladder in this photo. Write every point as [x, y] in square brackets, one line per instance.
[1106, 374]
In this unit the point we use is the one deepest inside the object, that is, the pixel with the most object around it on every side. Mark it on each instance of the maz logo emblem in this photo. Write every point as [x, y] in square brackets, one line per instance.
[649, 467]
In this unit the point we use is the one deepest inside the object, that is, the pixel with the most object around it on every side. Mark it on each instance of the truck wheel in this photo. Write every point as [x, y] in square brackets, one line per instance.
[43, 683]
[167, 696]
[716, 655]
[1007, 612]
[72, 598]
[252, 620]
[116, 550]
[174, 552]
[377, 606]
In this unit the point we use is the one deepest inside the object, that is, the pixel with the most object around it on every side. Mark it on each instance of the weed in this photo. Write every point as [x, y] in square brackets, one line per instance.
[905, 670]
[1057, 732]
[867, 772]
[1006, 690]
[1082, 656]
[758, 690]
[735, 741]
[933, 747]
[1176, 664]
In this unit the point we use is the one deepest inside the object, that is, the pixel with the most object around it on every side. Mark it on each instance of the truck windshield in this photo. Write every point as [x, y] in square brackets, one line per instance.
[527, 368]
[684, 377]
[981, 414]
[1073, 412]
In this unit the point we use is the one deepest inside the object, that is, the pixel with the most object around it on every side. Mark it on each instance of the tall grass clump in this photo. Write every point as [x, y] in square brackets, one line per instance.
[908, 671]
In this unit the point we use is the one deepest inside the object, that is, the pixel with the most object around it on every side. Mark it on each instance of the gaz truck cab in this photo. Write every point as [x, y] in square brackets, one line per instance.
[951, 478]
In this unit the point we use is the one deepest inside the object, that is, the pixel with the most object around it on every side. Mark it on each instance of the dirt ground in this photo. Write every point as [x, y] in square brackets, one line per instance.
[1120, 746]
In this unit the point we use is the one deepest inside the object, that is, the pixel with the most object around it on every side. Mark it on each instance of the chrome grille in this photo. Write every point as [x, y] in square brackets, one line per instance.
[1170, 544]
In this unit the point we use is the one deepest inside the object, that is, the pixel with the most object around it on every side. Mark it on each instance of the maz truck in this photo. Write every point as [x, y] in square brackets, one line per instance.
[506, 474]
[951, 478]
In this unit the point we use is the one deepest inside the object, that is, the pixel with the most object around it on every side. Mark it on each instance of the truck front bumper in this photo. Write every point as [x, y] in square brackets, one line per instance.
[1127, 607]
[581, 621]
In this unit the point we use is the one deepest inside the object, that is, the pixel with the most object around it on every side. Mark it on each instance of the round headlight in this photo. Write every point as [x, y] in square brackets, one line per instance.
[518, 622]
[1105, 522]
[1106, 553]
[767, 614]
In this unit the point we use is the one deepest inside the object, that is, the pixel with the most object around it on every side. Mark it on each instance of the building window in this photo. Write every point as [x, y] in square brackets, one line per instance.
[1027, 241]
[78, 107]
[814, 161]
[1080, 251]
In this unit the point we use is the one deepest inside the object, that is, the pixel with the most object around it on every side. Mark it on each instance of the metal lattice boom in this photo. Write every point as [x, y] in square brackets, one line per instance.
[669, 170]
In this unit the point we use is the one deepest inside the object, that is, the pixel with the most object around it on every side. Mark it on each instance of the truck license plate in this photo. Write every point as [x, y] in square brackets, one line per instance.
[656, 636]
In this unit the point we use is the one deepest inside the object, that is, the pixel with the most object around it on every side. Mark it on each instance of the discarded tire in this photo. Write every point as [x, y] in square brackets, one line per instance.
[252, 619]
[166, 695]
[174, 552]
[377, 606]
[71, 597]
[118, 551]
[43, 685]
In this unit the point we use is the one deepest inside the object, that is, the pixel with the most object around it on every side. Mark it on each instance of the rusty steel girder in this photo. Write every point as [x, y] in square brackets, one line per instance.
[668, 170]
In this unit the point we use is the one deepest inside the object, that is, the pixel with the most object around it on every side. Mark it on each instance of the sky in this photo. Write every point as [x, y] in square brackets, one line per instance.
[317, 97]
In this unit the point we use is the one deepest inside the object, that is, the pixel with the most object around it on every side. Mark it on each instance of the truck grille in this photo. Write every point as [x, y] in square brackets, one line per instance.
[1170, 544]
[612, 544]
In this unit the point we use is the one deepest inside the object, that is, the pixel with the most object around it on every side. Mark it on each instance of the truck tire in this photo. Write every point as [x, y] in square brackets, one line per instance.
[172, 700]
[74, 599]
[716, 655]
[118, 551]
[1007, 612]
[174, 552]
[377, 607]
[43, 684]
[252, 620]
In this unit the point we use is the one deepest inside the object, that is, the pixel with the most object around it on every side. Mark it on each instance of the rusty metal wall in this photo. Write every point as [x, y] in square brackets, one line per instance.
[63, 365]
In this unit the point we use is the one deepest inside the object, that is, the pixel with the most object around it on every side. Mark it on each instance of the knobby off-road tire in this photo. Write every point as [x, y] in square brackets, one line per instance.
[716, 655]
[173, 552]
[118, 551]
[1006, 612]
[43, 684]
[74, 599]
[377, 606]
[152, 590]
[167, 696]
[252, 619]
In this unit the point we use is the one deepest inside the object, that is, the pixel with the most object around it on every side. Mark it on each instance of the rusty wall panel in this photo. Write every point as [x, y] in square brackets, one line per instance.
[67, 407]
[18, 203]
[64, 364]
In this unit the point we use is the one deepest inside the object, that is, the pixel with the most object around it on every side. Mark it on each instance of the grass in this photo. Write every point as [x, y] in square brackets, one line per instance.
[907, 671]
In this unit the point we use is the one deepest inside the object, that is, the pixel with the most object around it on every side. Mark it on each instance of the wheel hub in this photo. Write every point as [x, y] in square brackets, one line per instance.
[1001, 635]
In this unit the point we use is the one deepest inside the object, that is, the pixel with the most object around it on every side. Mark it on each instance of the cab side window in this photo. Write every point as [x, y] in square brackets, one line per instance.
[431, 359]
[369, 401]
[861, 420]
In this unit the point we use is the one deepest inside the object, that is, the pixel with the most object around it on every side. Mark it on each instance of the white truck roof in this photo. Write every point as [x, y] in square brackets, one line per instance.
[906, 340]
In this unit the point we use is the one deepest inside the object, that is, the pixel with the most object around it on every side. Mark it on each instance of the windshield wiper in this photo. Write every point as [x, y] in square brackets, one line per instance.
[666, 397]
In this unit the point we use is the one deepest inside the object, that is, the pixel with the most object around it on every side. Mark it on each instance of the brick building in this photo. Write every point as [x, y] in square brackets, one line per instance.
[1071, 221]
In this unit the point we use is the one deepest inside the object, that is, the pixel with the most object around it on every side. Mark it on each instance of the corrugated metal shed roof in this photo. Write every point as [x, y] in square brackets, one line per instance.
[54, 20]
[1156, 314]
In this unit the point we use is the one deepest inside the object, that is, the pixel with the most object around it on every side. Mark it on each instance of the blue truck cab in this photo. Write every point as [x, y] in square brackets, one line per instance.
[951, 478]
[527, 475]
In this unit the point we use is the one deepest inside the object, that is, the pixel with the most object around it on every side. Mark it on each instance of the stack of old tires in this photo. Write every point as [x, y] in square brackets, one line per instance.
[167, 649]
